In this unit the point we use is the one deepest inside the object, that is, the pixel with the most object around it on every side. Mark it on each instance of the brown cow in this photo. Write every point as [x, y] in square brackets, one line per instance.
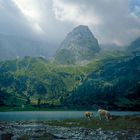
[88, 115]
[104, 113]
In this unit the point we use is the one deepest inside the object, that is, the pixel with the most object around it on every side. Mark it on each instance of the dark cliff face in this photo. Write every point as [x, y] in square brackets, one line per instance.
[134, 46]
[79, 45]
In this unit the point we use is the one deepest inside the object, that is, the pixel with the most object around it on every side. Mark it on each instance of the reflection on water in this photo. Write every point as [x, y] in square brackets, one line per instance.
[52, 115]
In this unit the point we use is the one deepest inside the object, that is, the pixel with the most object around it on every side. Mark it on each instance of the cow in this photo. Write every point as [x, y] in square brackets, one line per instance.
[88, 115]
[104, 113]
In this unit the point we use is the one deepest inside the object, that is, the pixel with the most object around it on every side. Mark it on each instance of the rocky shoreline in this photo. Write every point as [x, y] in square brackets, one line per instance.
[32, 130]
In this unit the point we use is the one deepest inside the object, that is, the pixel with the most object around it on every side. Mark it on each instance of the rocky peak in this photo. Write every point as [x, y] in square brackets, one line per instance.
[80, 44]
[81, 32]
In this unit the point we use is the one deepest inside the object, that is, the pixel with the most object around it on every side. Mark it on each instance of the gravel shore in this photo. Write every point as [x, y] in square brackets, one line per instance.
[31, 130]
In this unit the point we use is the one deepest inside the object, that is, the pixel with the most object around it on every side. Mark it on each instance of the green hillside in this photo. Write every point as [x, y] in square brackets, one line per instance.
[115, 84]
[111, 81]
[33, 80]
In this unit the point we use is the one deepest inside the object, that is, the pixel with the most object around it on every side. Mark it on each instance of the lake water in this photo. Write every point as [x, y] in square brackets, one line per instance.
[52, 115]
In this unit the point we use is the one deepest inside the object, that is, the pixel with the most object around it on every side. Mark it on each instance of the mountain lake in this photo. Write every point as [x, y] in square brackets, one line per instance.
[53, 115]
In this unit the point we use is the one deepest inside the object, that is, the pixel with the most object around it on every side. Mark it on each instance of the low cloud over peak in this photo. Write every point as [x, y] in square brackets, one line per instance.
[110, 21]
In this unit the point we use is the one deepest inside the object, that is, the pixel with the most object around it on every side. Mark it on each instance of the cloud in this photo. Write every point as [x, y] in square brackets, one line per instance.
[31, 11]
[73, 13]
[34, 19]
[13, 21]
[136, 11]
[111, 21]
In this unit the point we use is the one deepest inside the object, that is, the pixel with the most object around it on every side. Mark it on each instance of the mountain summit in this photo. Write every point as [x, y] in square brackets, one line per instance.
[79, 45]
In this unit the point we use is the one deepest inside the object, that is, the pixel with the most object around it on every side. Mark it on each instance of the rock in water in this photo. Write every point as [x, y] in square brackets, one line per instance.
[79, 45]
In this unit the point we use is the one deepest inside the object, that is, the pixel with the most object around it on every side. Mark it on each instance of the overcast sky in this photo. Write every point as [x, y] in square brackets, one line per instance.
[111, 21]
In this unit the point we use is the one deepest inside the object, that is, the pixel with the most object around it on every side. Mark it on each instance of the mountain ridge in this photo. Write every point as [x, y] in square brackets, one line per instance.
[16, 46]
[109, 80]
[134, 45]
[79, 44]
[38, 82]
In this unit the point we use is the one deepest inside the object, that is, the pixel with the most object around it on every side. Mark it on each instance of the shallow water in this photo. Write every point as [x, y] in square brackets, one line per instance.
[52, 115]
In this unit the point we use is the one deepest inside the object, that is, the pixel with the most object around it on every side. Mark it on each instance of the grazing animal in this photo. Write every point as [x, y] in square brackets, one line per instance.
[104, 113]
[88, 115]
